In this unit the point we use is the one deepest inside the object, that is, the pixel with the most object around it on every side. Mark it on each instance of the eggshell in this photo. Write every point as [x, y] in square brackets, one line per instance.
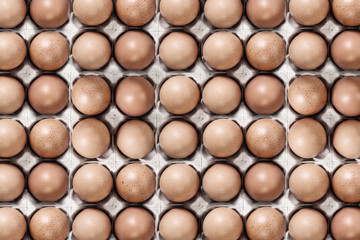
[266, 13]
[92, 12]
[309, 12]
[12, 13]
[135, 12]
[347, 12]
[12, 50]
[346, 183]
[346, 139]
[12, 182]
[12, 224]
[12, 138]
[345, 96]
[223, 13]
[49, 13]
[345, 50]
[345, 224]
[12, 94]
[179, 13]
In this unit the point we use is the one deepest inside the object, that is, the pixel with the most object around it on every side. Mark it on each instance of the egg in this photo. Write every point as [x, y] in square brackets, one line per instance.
[265, 138]
[309, 13]
[222, 138]
[345, 96]
[307, 95]
[49, 138]
[91, 95]
[307, 138]
[178, 139]
[135, 223]
[135, 96]
[345, 50]
[49, 51]
[179, 95]
[135, 139]
[264, 182]
[92, 12]
[91, 50]
[12, 182]
[222, 223]
[308, 224]
[266, 50]
[346, 138]
[48, 94]
[346, 183]
[179, 182]
[12, 138]
[49, 223]
[223, 13]
[347, 12]
[309, 182]
[92, 182]
[178, 224]
[135, 12]
[90, 138]
[265, 223]
[49, 13]
[221, 182]
[179, 13]
[135, 183]
[178, 50]
[12, 50]
[12, 13]
[264, 94]
[12, 94]
[345, 224]
[221, 95]
[134, 50]
[91, 224]
[266, 13]
[12, 224]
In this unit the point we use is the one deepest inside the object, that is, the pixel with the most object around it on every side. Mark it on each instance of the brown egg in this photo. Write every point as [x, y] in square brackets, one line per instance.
[91, 50]
[91, 224]
[135, 223]
[135, 96]
[135, 139]
[309, 182]
[12, 182]
[307, 95]
[90, 138]
[12, 224]
[48, 182]
[222, 50]
[179, 94]
[91, 95]
[178, 50]
[266, 13]
[345, 50]
[264, 182]
[309, 13]
[12, 94]
[92, 12]
[346, 139]
[12, 13]
[49, 13]
[223, 13]
[49, 51]
[49, 138]
[222, 138]
[92, 182]
[264, 94]
[48, 94]
[135, 12]
[178, 224]
[345, 224]
[345, 96]
[221, 95]
[12, 50]
[12, 138]
[266, 223]
[221, 182]
[178, 139]
[347, 12]
[265, 138]
[179, 13]
[346, 183]
[222, 223]
[135, 183]
[266, 50]
[308, 224]
[179, 182]
[307, 138]
[49, 223]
